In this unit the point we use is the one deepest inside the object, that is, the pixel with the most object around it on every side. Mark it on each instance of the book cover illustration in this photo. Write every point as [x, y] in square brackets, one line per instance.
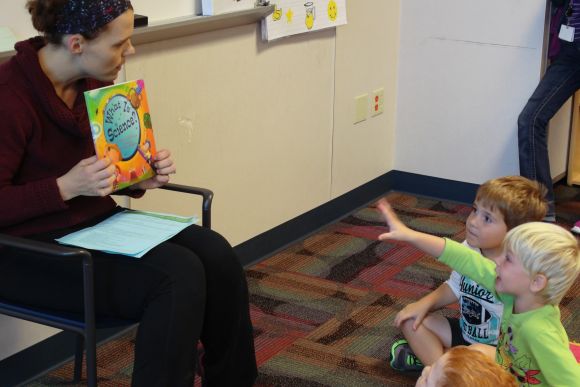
[122, 130]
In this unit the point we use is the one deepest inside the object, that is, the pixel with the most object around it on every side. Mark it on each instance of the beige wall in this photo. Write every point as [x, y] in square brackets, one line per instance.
[269, 126]
[366, 59]
[462, 85]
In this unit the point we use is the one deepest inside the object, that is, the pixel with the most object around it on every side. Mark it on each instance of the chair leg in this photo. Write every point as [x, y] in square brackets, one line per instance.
[78, 370]
[91, 350]
[91, 360]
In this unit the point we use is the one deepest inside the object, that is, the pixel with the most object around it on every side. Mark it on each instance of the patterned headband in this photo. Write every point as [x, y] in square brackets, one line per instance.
[78, 16]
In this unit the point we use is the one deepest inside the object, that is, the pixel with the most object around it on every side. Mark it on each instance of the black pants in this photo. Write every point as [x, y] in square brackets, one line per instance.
[188, 288]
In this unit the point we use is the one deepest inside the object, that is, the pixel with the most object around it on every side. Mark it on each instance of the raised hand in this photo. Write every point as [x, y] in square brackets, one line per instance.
[430, 244]
[90, 177]
[397, 230]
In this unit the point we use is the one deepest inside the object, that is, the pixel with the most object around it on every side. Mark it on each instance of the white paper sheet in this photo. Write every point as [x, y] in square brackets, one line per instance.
[131, 233]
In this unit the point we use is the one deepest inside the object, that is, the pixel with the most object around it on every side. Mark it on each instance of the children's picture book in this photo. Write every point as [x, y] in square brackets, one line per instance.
[122, 130]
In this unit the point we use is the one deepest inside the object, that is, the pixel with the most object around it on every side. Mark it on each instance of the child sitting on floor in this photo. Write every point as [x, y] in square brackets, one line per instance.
[540, 262]
[463, 367]
[500, 205]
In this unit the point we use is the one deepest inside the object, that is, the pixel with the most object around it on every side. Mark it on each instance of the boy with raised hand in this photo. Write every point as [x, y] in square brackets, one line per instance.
[500, 205]
[538, 265]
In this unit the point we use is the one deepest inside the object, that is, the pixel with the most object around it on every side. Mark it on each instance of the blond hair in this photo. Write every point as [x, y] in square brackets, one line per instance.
[470, 367]
[518, 199]
[546, 249]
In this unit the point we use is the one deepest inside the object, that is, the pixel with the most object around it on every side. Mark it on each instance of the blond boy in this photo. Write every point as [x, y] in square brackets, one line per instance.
[539, 263]
[500, 205]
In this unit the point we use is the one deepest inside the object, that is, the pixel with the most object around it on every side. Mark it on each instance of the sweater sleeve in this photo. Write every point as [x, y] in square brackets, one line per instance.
[21, 202]
[469, 263]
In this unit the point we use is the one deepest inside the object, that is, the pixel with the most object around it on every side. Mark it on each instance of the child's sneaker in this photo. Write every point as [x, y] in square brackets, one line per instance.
[576, 228]
[402, 357]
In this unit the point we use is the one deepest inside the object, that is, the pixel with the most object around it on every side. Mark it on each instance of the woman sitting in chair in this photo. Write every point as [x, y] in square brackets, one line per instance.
[51, 183]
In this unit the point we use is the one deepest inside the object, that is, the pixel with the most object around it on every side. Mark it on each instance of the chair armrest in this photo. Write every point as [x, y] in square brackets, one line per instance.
[72, 253]
[204, 192]
[46, 248]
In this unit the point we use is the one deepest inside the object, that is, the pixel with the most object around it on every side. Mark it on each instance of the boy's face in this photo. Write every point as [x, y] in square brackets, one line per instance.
[485, 229]
[431, 375]
[512, 277]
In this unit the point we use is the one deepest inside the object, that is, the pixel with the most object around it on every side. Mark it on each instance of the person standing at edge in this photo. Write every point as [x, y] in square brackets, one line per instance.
[560, 82]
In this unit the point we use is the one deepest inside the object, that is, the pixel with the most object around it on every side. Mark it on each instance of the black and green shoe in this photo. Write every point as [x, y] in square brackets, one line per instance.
[403, 359]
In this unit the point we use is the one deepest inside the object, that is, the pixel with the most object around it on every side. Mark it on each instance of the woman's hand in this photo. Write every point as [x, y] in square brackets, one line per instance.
[90, 177]
[164, 167]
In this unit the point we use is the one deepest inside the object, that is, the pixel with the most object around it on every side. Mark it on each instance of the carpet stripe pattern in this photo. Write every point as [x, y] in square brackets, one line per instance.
[323, 308]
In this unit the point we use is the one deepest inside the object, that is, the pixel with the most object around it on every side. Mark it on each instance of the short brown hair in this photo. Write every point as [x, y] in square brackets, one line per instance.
[470, 367]
[518, 199]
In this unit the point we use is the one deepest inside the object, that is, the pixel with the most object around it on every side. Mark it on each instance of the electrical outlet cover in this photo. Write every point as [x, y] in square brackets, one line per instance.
[378, 102]
[361, 104]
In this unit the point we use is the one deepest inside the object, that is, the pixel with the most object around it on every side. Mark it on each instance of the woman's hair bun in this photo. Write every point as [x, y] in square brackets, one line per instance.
[44, 14]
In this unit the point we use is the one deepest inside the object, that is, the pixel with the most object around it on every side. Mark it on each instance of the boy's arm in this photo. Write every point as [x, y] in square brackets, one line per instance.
[469, 263]
[430, 244]
[438, 298]
[459, 257]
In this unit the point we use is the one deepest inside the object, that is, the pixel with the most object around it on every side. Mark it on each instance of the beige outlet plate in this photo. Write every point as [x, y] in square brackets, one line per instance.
[361, 104]
[378, 102]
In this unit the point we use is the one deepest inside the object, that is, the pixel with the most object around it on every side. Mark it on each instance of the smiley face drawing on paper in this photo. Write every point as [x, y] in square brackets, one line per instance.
[332, 10]
[277, 14]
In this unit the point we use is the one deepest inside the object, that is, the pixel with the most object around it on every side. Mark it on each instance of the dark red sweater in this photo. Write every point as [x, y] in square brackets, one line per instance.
[41, 139]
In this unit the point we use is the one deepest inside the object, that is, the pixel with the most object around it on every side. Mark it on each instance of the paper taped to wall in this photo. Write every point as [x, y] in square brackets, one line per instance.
[292, 17]
[7, 39]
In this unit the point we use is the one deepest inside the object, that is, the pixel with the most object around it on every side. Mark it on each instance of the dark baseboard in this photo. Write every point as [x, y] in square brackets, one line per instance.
[278, 238]
[58, 349]
[272, 241]
[435, 187]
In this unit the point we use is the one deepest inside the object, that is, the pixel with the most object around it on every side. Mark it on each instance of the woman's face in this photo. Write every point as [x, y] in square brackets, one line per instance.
[103, 57]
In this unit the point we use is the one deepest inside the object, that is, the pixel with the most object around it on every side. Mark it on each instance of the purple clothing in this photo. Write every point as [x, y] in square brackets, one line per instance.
[41, 139]
[574, 19]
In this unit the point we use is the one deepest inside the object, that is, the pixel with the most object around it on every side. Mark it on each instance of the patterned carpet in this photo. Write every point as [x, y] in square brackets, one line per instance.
[323, 308]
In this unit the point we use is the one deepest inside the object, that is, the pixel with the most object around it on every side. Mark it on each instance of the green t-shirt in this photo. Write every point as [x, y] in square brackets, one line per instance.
[533, 346]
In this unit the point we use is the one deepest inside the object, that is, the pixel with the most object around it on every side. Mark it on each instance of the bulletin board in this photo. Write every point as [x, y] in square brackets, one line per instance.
[292, 17]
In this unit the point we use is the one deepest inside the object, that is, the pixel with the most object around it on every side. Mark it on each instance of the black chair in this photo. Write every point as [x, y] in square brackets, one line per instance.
[84, 326]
